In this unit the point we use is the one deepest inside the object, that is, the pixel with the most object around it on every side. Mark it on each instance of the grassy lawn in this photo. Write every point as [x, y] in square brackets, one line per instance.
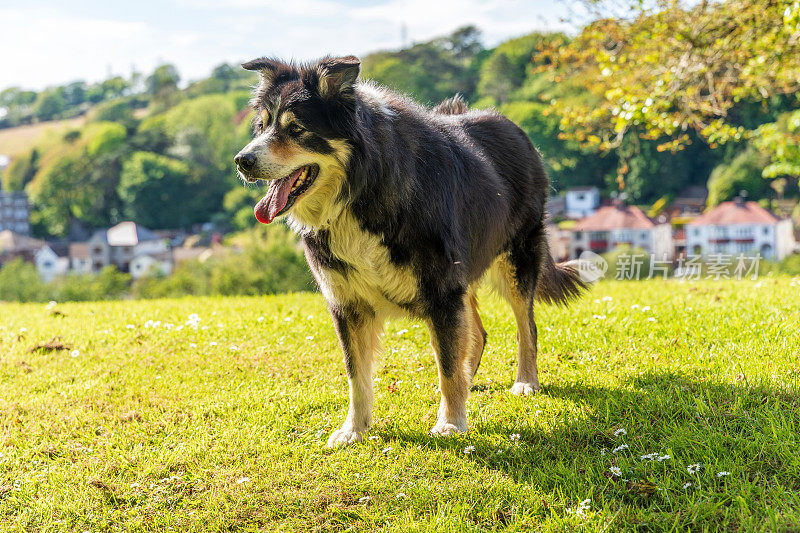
[142, 425]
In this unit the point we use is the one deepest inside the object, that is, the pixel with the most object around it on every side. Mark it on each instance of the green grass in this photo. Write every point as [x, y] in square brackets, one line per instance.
[150, 428]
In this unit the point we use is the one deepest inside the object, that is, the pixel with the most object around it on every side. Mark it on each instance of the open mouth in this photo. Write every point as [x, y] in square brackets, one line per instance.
[283, 193]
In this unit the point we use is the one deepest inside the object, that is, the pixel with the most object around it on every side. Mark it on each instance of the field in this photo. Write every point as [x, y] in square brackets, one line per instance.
[665, 406]
[14, 141]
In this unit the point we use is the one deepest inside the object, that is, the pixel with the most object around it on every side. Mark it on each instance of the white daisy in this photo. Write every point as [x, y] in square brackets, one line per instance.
[74, 353]
[693, 469]
[616, 471]
[620, 448]
[620, 431]
[723, 473]
[469, 449]
[242, 480]
[515, 437]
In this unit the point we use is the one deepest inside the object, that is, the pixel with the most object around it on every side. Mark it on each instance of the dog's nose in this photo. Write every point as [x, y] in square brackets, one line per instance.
[245, 161]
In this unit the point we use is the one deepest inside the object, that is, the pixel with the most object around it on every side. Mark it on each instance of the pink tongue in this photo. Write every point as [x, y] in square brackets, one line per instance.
[277, 195]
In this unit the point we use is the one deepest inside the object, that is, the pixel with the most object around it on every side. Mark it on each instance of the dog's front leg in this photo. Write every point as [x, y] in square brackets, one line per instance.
[452, 339]
[358, 330]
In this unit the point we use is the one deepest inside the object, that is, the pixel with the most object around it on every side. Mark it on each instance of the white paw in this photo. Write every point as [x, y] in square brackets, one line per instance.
[445, 429]
[344, 436]
[524, 389]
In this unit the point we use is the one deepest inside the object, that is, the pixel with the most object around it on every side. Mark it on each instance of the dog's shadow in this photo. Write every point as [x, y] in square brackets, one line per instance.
[658, 412]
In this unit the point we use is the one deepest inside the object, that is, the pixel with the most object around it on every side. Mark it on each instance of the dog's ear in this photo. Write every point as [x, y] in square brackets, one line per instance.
[336, 76]
[266, 66]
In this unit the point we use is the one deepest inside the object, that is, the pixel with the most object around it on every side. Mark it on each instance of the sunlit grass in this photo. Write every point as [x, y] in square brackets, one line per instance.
[146, 422]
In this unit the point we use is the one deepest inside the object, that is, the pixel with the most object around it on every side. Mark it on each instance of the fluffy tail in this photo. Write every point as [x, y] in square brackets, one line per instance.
[452, 106]
[558, 282]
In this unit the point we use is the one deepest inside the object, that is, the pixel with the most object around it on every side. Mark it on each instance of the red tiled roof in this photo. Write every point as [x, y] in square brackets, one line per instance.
[735, 213]
[614, 217]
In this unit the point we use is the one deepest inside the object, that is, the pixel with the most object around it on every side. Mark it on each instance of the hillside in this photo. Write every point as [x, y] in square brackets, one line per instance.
[146, 423]
[110, 168]
[19, 139]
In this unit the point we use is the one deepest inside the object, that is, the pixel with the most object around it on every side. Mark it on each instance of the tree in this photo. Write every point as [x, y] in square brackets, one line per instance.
[154, 189]
[671, 69]
[164, 79]
[49, 104]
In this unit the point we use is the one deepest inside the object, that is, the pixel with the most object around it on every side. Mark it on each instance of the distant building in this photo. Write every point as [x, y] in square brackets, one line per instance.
[582, 201]
[120, 244]
[144, 264]
[615, 225]
[79, 258]
[558, 240]
[49, 263]
[13, 245]
[14, 212]
[740, 227]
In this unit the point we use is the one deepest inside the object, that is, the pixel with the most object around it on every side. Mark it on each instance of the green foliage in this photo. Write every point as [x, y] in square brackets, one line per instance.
[567, 163]
[21, 171]
[780, 141]
[20, 282]
[508, 66]
[50, 104]
[153, 189]
[743, 173]
[269, 261]
[430, 71]
[119, 111]
[77, 179]
[108, 284]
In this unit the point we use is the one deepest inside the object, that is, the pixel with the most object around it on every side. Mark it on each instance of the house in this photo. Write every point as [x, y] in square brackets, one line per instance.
[619, 224]
[144, 264]
[14, 212]
[582, 201]
[740, 227]
[13, 245]
[120, 244]
[558, 241]
[79, 258]
[49, 263]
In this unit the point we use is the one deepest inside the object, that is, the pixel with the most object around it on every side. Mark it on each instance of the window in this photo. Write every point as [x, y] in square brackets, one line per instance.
[578, 235]
[697, 232]
[581, 197]
[766, 230]
[97, 250]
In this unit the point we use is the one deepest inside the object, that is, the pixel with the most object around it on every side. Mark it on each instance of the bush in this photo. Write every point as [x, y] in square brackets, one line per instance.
[268, 260]
[20, 282]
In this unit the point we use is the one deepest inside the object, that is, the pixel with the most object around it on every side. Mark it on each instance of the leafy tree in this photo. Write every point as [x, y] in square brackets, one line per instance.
[49, 104]
[780, 140]
[153, 189]
[164, 79]
[743, 173]
[411, 70]
[670, 69]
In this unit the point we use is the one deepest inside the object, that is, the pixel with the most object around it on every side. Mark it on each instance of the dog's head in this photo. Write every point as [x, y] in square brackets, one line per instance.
[301, 123]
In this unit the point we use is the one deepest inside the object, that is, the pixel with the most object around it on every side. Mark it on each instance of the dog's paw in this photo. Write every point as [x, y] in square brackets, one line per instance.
[344, 436]
[524, 389]
[445, 429]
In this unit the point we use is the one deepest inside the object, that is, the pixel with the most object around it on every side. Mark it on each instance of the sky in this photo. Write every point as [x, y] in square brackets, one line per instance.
[46, 42]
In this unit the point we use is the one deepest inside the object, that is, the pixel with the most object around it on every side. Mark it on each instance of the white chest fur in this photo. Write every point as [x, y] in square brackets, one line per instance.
[370, 275]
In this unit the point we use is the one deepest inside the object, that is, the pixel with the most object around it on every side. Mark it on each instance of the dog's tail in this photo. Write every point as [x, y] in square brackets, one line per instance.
[454, 105]
[558, 283]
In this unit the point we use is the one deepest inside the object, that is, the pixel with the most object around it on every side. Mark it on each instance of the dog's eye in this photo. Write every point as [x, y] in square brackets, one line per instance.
[295, 129]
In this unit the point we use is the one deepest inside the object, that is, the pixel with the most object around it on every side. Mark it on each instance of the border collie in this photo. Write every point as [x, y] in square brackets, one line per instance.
[402, 209]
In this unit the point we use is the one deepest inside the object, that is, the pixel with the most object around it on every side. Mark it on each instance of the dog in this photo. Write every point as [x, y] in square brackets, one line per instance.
[403, 209]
